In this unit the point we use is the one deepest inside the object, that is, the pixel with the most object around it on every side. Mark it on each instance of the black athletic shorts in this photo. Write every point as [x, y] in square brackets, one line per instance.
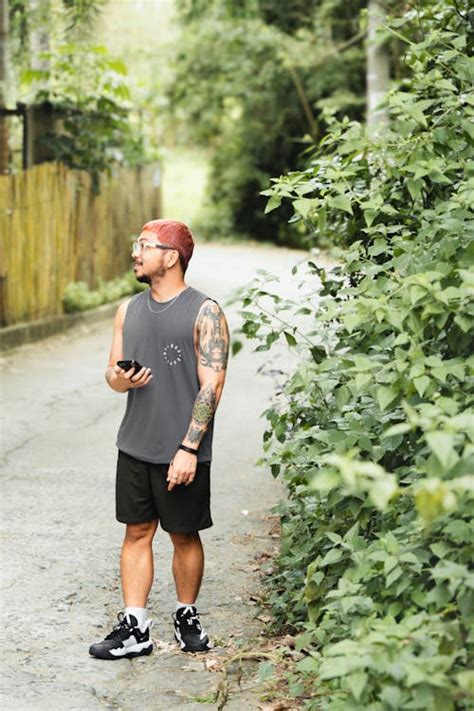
[142, 495]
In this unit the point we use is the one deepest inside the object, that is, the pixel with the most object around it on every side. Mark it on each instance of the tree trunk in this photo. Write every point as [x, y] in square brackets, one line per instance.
[378, 70]
[4, 152]
[39, 33]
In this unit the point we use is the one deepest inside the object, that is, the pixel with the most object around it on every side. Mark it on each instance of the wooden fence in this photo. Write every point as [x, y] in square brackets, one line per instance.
[55, 230]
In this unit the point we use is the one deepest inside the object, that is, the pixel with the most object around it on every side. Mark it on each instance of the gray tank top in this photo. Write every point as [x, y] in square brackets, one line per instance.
[158, 415]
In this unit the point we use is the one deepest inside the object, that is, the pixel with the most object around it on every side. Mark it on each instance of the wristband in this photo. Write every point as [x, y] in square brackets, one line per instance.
[188, 449]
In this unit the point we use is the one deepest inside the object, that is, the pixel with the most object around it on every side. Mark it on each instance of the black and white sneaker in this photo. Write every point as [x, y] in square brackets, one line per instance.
[125, 641]
[188, 630]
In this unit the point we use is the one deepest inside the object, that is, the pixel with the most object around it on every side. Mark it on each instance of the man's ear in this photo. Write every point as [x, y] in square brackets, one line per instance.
[174, 258]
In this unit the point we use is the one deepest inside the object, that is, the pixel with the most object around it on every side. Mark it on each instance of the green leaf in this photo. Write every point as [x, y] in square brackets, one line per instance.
[393, 576]
[390, 563]
[341, 202]
[290, 339]
[357, 683]
[333, 556]
[303, 206]
[419, 597]
[414, 187]
[421, 384]
[340, 666]
[459, 531]
[272, 204]
[342, 396]
[464, 322]
[362, 379]
[325, 481]
[386, 394]
[442, 445]
[391, 696]
[382, 490]
[317, 577]
[433, 498]
[308, 665]
[236, 347]
[466, 681]
[395, 430]
[440, 549]
[265, 670]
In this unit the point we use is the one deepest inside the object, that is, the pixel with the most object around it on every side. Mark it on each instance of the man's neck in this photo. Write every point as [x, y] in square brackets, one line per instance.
[164, 291]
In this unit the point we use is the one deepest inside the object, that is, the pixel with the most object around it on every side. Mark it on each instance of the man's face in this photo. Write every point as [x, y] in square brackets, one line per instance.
[148, 262]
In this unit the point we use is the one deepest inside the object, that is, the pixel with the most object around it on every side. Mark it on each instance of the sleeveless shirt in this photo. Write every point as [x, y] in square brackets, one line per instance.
[158, 415]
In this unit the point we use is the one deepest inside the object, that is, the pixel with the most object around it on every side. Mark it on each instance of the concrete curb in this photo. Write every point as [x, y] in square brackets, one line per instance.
[22, 333]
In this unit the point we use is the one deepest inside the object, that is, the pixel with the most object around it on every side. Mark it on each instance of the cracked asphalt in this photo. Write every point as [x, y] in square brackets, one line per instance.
[60, 541]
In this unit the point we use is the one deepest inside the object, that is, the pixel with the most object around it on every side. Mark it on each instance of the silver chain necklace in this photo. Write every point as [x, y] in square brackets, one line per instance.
[167, 306]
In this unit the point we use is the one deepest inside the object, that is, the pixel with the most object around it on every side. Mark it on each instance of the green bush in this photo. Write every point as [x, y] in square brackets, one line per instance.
[87, 90]
[373, 431]
[79, 297]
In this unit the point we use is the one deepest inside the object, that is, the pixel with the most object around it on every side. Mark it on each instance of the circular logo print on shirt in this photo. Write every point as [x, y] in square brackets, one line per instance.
[172, 354]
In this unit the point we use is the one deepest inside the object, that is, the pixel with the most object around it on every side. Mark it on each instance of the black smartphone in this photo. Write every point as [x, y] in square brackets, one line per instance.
[127, 364]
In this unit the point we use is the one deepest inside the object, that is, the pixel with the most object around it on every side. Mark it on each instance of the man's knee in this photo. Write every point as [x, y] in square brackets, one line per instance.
[140, 532]
[185, 540]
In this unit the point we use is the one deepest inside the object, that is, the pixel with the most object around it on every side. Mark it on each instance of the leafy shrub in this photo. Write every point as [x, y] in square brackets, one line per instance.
[373, 431]
[87, 90]
[79, 297]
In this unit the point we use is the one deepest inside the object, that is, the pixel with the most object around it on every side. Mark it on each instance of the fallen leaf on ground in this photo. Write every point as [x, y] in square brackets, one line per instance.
[211, 664]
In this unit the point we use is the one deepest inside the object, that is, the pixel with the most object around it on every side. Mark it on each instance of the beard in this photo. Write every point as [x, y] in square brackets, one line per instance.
[149, 278]
[143, 279]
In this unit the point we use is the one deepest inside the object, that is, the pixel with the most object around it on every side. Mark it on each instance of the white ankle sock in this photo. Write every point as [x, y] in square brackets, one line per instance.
[179, 605]
[140, 614]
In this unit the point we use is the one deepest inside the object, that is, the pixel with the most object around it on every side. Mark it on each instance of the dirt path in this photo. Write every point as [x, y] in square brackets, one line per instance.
[61, 543]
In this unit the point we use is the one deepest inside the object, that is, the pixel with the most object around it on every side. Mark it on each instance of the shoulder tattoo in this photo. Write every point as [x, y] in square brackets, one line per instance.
[213, 337]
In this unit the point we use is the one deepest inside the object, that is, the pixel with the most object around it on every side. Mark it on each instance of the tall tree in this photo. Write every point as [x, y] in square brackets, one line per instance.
[39, 34]
[3, 82]
[251, 82]
[378, 72]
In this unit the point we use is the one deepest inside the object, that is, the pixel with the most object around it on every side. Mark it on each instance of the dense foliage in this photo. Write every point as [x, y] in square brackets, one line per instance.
[78, 296]
[88, 95]
[84, 88]
[373, 431]
[250, 82]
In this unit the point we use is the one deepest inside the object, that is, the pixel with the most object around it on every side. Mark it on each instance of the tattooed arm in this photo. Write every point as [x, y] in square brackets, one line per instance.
[212, 345]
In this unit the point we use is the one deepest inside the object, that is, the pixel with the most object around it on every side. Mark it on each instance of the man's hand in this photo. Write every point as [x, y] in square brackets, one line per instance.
[182, 469]
[121, 380]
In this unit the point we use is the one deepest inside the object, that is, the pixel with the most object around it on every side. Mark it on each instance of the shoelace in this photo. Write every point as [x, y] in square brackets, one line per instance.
[121, 626]
[125, 626]
[190, 615]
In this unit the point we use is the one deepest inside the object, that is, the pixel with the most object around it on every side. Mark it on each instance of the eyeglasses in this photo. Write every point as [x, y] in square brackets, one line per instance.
[139, 246]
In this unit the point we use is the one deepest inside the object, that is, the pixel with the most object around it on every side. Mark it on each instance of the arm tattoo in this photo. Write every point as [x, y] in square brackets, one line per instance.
[213, 338]
[203, 412]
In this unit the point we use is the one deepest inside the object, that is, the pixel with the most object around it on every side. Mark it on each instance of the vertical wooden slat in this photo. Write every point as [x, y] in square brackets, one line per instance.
[54, 230]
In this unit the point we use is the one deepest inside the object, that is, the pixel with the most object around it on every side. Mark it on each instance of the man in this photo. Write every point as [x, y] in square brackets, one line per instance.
[181, 339]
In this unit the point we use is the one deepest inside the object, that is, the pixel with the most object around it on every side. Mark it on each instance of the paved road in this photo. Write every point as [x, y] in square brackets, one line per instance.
[61, 543]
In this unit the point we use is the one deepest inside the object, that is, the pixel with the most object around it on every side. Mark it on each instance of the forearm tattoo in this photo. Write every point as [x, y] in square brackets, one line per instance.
[213, 352]
[213, 338]
[203, 412]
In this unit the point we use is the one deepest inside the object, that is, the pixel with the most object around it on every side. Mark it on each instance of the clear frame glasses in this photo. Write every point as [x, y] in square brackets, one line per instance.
[140, 245]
